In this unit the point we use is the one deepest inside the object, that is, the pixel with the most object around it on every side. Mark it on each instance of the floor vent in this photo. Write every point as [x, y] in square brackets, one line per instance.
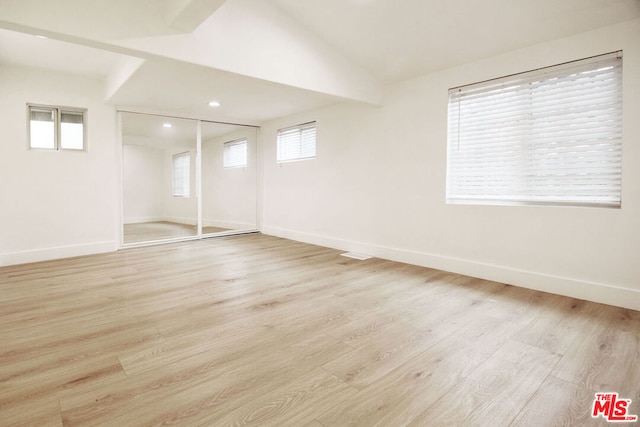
[354, 255]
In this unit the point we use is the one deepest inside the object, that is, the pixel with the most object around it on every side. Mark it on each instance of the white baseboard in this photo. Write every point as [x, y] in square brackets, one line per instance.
[590, 291]
[59, 252]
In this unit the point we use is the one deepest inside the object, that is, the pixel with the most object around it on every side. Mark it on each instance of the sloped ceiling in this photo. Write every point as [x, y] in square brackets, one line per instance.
[263, 59]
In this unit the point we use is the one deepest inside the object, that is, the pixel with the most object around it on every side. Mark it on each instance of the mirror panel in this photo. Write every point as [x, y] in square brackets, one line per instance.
[229, 178]
[159, 178]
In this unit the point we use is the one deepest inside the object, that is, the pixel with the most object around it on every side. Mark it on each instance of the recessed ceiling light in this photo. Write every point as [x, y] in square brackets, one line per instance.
[40, 36]
[166, 125]
[214, 104]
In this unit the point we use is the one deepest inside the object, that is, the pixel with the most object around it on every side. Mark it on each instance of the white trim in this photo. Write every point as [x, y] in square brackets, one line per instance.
[142, 219]
[183, 239]
[198, 191]
[177, 220]
[586, 290]
[354, 255]
[156, 242]
[54, 253]
[230, 233]
[207, 222]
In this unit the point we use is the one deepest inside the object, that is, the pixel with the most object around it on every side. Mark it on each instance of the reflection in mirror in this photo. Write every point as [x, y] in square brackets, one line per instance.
[228, 178]
[159, 165]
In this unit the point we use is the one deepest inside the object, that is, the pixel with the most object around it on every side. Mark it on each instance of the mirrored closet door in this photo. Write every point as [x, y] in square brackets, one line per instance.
[228, 178]
[164, 178]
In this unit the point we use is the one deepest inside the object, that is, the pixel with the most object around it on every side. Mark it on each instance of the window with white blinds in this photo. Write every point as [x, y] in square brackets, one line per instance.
[181, 174]
[235, 154]
[297, 142]
[550, 136]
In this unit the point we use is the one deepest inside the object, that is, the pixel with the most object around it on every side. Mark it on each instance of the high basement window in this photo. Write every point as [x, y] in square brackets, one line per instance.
[297, 143]
[56, 128]
[549, 136]
[235, 154]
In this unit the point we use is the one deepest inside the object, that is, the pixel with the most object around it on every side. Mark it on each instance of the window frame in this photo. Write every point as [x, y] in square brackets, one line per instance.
[57, 112]
[558, 165]
[300, 129]
[227, 146]
[174, 157]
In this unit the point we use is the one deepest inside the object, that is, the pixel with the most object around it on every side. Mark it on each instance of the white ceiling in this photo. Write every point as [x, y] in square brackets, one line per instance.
[18, 48]
[264, 59]
[399, 39]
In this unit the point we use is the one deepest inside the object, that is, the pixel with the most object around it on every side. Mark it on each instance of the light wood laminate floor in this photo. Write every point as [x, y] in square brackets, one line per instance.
[263, 331]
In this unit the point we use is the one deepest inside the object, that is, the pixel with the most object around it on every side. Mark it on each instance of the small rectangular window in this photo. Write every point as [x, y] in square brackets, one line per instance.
[181, 174]
[297, 143]
[235, 154]
[42, 131]
[56, 128]
[549, 136]
[72, 130]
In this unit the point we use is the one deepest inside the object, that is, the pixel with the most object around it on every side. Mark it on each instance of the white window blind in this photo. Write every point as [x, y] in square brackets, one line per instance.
[297, 142]
[181, 174]
[235, 154]
[550, 136]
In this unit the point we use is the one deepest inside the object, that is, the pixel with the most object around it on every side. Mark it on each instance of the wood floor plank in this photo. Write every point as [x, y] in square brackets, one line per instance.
[292, 404]
[382, 347]
[199, 387]
[494, 391]
[557, 327]
[610, 342]
[36, 411]
[403, 394]
[263, 330]
[558, 403]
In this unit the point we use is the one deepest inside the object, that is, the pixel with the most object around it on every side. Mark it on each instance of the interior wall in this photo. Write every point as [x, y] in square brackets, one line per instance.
[143, 178]
[378, 186]
[229, 194]
[56, 203]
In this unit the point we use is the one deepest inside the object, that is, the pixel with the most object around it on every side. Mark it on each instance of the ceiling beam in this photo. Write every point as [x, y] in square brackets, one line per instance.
[256, 39]
[244, 37]
[187, 15]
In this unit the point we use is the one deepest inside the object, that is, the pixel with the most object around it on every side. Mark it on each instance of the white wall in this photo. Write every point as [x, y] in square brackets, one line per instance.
[55, 204]
[229, 194]
[143, 179]
[378, 186]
